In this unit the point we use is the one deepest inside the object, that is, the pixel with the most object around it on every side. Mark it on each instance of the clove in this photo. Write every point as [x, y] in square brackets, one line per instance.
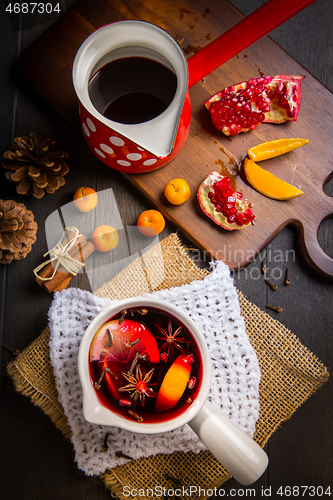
[142, 311]
[120, 454]
[287, 279]
[135, 415]
[274, 308]
[122, 316]
[109, 338]
[272, 285]
[105, 443]
[13, 350]
[135, 361]
[131, 344]
[264, 265]
[97, 384]
[115, 375]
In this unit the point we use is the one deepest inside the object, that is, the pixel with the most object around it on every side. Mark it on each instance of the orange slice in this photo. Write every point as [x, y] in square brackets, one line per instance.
[277, 147]
[173, 384]
[268, 184]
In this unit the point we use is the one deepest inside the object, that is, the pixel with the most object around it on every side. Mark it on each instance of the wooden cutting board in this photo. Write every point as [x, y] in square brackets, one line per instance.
[47, 66]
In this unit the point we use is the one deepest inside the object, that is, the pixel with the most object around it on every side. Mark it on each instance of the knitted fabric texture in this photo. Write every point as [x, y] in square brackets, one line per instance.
[213, 305]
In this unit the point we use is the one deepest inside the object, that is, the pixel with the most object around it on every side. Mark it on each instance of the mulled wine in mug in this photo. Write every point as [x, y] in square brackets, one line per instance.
[145, 367]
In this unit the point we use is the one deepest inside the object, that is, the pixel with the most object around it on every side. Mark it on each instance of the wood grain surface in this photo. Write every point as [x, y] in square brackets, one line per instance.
[207, 149]
[36, 461]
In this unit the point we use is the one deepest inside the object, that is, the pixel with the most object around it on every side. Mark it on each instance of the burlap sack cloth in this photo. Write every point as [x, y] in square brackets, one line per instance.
[290, 373]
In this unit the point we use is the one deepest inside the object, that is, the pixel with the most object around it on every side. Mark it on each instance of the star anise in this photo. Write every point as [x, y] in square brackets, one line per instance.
[171, 339]
[138, 385]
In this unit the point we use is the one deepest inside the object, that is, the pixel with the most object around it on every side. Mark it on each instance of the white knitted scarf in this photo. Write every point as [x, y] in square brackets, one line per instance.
[212, 303]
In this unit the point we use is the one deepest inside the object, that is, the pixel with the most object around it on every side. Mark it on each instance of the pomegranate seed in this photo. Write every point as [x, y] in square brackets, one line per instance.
[241, 219]
[189, 359]
[125, 402]
[141, 386]
[232, 129]
[191, 383]
[250, 216]
[164, 357]
[225, 182]
[229, 192]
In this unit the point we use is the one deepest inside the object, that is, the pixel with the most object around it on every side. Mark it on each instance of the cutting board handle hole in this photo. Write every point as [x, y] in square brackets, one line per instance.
[325, 233]
[328, 185]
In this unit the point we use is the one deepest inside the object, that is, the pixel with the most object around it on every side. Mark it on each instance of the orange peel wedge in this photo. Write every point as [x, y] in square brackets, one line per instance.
[173, 384]
[268, 184]
[276, 147]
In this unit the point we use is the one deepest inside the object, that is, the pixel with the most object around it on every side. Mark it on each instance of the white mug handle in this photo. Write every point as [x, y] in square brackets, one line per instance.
[233, 448]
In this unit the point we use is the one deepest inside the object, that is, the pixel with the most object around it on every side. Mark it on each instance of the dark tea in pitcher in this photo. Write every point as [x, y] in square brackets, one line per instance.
[132, 90]
[145, 365]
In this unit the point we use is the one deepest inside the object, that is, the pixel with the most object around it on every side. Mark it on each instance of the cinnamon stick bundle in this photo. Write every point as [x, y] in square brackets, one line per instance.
[61, 279]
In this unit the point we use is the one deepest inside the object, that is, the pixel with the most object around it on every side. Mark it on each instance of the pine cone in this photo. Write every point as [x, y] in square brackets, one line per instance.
[17, 231]
[35, 165]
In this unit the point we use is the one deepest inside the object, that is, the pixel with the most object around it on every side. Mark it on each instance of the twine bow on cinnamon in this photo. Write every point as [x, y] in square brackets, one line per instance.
[61, 255]
[66, 260]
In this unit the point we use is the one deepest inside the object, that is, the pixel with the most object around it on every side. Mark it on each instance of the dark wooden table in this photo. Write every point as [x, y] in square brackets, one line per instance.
[36, 460]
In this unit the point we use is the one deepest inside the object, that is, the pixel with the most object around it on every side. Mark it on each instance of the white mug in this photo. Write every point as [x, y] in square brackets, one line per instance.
[234, 449]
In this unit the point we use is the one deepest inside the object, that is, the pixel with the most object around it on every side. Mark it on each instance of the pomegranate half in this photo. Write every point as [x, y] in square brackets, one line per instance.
[225, 206]
[242, 107]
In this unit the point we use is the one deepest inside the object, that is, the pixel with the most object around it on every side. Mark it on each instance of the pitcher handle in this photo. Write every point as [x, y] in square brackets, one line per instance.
[234, 449]
[248, 31]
